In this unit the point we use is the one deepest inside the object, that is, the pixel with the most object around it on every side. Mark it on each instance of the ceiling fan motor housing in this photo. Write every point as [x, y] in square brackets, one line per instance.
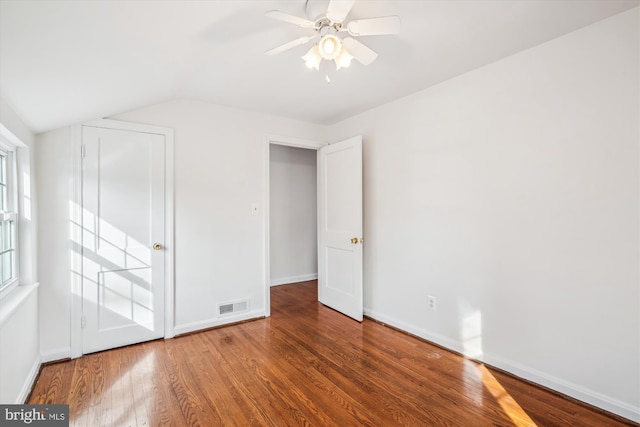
[324, 25]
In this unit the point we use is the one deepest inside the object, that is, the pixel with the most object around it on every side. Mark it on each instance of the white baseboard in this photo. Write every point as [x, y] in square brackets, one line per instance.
[434, 338]
[567, 388]
[218, 321]
[56, 354]
[561, 386]
[29, 382]
[294, 279]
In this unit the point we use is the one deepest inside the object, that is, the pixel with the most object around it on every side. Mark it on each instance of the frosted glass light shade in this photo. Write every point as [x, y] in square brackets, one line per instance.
[343, 60]
[312, 59]
[329, 46]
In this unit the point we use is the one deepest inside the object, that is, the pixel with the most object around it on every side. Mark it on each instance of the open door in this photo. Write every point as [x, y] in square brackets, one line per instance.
[340, 227]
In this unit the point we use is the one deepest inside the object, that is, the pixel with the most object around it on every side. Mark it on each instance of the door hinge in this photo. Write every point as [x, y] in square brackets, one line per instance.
[83, 151]
[83, 321]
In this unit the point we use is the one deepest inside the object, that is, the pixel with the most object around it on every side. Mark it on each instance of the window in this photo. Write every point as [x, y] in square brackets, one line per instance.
[8, 219]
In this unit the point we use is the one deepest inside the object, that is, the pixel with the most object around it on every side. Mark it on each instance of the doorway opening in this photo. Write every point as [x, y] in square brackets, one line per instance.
[293, 243]
[291, 212]
[339, 223]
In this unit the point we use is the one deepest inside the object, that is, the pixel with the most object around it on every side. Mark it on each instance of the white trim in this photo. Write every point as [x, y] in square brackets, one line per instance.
[75, 211]
[169, 233]
[565, 387]
[294, 279]
[434, 338]
[29, 382]
[8, 288]
[11, 138]
[9, 149]
[266, 258]
[290, 142]
[56, 354]
[557, 384]
[25, 246]
[130, 126]
[76, 285]
[294, 142]
[217, 321]
[8, 216]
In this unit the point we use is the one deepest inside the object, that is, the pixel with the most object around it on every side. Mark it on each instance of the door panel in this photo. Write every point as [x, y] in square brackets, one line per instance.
[340, 270]
[123, 216]
[340, 221]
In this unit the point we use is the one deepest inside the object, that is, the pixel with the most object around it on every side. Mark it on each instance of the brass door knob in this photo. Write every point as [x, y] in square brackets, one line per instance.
[354, 240]
[157, 246]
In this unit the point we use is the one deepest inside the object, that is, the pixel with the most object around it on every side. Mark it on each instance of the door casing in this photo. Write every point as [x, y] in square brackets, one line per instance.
[76, 236]
[290, 142]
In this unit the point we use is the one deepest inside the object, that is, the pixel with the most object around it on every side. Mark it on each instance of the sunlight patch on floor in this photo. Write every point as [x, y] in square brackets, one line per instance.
[504, 399]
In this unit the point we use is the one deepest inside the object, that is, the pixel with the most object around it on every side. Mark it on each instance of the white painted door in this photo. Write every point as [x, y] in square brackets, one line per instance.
[340, 226]
[123, 216]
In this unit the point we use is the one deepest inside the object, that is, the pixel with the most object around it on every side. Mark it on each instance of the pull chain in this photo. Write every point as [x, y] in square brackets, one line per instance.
[327, 77]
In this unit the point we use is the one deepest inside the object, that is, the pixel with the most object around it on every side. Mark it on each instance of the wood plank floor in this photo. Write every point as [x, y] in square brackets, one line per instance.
[305, 365]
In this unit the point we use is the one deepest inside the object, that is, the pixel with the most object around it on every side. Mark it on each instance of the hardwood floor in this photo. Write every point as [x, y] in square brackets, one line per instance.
[305, 365]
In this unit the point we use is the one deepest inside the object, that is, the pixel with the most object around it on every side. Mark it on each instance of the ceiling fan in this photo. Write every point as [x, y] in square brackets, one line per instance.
[328, 30]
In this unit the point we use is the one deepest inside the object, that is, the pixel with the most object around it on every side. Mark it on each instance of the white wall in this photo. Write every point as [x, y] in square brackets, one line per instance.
[14, 123]
[292, 217]
[514, 190]
[55, 181]
[219, 245]
[511, 193]
[219, 170]
[19, 335]
[19, 347]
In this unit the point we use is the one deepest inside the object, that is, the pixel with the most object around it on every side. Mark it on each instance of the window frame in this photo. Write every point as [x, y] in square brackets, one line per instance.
[12, 214]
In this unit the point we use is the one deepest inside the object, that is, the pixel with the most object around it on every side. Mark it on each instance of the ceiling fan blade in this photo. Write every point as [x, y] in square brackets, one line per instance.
[281, 16]
[287, 46]
[339, 9]
[360, 52]
[375, 26]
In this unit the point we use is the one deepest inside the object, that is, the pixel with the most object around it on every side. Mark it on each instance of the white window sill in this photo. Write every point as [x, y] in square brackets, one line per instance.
[8, 289]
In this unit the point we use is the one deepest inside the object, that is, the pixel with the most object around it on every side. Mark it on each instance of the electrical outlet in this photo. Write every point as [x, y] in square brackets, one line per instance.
[431, 302]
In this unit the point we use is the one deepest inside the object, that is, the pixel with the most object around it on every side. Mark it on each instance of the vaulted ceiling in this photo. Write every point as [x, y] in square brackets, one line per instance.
[64, 62]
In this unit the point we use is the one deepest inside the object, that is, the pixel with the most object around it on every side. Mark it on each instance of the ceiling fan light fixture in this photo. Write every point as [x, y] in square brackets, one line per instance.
[329, 47]
[331, 42]
[312, 59]
[343, 60]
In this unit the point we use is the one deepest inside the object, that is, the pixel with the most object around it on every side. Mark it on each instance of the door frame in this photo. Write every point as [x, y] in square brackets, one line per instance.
[75, 211]
[289, 142]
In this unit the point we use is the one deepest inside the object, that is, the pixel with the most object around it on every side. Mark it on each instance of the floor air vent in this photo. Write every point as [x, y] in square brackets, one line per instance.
[234, 307]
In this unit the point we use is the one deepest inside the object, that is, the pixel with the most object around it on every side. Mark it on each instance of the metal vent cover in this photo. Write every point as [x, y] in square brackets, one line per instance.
[232, 307]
